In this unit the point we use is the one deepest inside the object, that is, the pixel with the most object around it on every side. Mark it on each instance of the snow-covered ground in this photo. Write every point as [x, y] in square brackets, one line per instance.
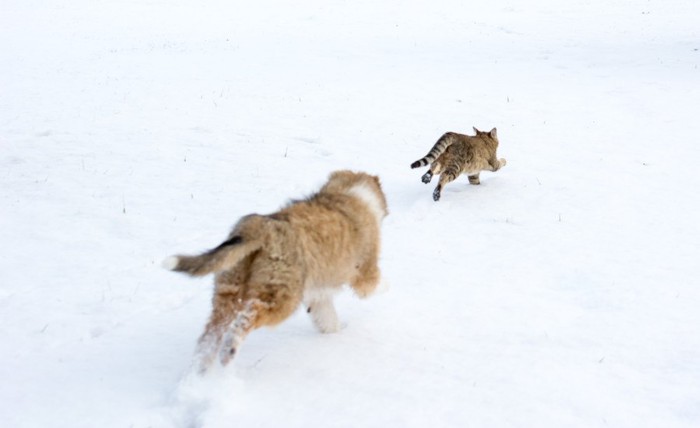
[562, 292]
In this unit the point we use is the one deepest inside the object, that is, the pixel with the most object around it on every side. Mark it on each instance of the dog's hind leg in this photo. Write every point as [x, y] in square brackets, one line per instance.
[264, 305]
[225, 308]
[239, 328]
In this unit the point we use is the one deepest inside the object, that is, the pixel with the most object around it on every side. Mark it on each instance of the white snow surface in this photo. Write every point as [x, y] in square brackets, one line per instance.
[561, 292]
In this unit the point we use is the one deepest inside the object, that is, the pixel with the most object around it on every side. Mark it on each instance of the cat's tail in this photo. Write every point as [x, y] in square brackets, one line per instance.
[246, 238]
[439, 148]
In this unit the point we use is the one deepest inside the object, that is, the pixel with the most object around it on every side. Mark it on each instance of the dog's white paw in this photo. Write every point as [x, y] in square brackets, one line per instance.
[382, 287]
[329, 328]
[230, 345]
[170, 263]
[327, 322]
[324, 316]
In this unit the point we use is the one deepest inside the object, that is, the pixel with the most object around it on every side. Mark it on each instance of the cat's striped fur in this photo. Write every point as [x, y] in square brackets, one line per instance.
[455, 154]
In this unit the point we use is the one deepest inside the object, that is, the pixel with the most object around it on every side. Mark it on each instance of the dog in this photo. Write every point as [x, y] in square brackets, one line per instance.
[270, 264]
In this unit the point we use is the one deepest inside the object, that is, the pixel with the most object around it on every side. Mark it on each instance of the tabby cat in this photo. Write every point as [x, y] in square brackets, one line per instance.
[456, 154]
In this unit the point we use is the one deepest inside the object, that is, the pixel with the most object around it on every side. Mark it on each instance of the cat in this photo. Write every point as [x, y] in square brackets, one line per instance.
[304, 253]
[456, 154]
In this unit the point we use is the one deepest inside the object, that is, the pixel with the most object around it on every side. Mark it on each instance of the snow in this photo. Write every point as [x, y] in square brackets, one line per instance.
[562, 291]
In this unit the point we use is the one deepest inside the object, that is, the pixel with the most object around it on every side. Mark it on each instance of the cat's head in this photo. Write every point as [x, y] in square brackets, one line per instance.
[491, 134]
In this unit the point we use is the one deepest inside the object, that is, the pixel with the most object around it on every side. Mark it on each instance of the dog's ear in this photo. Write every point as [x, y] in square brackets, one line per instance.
[339, 173]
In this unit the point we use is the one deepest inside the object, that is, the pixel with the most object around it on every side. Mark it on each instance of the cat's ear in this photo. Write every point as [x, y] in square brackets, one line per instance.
[492, 133]
[476, 130]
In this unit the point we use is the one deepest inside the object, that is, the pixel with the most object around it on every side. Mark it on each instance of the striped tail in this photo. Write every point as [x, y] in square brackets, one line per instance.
[439, 148]
[218, 259]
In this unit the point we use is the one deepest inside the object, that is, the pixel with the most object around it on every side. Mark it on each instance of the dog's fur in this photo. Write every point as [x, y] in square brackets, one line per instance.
[305, 252]
[455, 154]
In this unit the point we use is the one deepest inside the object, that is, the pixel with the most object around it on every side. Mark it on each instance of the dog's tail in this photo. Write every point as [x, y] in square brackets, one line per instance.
[439, 148]
[223, 257]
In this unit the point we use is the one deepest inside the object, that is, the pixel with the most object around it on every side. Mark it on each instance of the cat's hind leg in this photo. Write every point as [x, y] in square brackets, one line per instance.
[436, 192]
[474, 179]
[435, 169]
[449, 175]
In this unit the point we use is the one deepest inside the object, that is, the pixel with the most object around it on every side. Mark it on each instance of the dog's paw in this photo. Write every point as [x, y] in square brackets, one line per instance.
[229, 347]
[382, 287]
[330, 328]
[326, 323]
[226, 354]
[170, 263]
[324, 318]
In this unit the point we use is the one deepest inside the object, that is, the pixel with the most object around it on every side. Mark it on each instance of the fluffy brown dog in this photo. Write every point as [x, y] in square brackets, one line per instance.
[305, 252]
